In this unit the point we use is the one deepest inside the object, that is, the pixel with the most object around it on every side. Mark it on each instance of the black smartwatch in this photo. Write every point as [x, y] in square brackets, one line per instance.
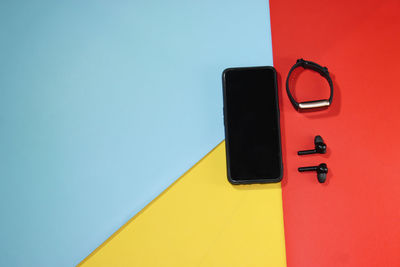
[315, 104]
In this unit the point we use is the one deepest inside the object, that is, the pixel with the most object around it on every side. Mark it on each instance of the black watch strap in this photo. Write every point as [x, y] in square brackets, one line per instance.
[309, 105]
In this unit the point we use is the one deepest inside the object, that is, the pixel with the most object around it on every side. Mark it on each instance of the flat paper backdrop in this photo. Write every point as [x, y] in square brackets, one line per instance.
[353, 219]
[102, 106]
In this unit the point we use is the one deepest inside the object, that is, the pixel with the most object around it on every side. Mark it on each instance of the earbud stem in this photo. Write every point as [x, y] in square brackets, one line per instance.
[307, 169]
[307, 152]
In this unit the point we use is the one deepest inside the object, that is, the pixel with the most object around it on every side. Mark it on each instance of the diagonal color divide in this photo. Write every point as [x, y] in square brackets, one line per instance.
[202, 220]
[102, 106]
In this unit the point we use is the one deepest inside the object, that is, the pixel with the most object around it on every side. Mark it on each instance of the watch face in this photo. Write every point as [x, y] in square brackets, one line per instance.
[314, 104]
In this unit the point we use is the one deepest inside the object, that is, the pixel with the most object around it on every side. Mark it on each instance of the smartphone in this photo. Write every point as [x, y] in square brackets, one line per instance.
[252, 128]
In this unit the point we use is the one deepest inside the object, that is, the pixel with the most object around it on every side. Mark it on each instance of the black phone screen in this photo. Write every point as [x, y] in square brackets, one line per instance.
[252, 132]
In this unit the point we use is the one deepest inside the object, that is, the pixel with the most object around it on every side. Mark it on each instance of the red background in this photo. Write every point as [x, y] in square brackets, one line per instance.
[354, 218]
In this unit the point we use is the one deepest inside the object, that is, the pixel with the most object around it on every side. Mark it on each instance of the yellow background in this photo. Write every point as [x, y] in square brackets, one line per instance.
[202, 220]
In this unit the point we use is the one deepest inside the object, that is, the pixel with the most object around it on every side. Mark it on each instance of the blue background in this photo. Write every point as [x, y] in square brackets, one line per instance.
[102, 106]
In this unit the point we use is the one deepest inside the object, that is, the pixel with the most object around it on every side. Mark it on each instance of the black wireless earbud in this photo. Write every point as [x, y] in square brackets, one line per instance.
[320, 147]
[321, 169]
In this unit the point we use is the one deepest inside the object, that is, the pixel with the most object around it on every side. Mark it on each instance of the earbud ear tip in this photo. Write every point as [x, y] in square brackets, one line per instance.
[321, 177]
[318, 139]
